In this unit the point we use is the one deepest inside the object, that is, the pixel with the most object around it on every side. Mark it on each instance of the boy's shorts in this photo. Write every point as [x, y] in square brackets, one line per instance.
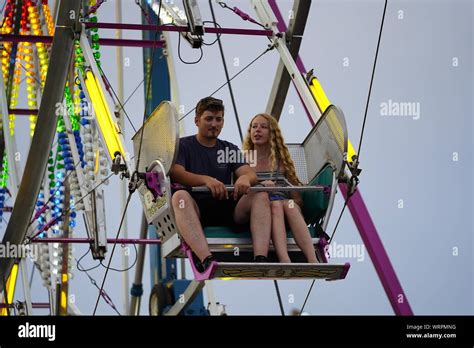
[215, 212]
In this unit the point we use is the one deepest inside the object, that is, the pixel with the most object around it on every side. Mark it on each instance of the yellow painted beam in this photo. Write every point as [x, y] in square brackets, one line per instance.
[11, 284]
[323, 103]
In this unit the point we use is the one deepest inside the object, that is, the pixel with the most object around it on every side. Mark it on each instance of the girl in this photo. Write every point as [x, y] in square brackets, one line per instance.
[276, 168]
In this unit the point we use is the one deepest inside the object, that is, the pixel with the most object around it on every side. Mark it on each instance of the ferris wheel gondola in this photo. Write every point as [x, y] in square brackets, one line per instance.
[319, 163]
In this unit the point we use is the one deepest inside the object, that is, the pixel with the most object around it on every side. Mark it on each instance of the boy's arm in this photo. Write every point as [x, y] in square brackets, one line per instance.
[248, 172]
[180, 175]
[245, 178]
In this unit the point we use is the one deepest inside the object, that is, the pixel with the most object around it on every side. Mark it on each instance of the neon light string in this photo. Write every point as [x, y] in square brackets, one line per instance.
[3, 184]
[95, 32]
[34, 20]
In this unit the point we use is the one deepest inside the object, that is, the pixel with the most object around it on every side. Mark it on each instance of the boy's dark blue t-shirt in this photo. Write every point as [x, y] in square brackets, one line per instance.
[218, 162]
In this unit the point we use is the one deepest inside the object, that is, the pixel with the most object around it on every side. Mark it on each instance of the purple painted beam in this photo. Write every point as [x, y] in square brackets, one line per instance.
[34, 305]
[377, 252]
[131, 43]
[363, 221]
[282, 28]
[299, 63]
[23, 112]
[26, 38]
[124, 26]
[103, 42]
[89, 240]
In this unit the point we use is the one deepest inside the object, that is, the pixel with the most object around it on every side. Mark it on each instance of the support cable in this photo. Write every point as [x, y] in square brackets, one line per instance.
[282, 310]
[132, 187]
[241, 71]
[365, 115]
[361, 137]
[227, 74]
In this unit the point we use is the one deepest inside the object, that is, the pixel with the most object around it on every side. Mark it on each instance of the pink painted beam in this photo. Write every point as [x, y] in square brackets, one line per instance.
[282, 28]
[103, 42]
[23, 111]
[363, 221]
[26, 38]
[44, 305]
[299, 63]
[124, 26]
[377, 252]
[89, 240]
[131, 43]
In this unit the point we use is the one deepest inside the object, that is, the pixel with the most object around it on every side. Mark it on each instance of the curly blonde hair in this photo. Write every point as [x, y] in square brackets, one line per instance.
[278, 150]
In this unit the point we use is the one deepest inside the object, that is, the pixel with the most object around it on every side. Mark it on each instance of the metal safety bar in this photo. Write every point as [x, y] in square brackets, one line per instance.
[270, 188]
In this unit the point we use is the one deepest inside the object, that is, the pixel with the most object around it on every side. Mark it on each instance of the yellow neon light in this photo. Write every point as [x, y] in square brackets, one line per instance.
[63, 296]
[323, 103]
[96, 169]
[63, 303]
[11, 284]
[103, 115]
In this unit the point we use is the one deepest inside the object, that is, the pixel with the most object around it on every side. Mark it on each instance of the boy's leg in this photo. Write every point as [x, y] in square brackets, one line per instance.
[187, 216]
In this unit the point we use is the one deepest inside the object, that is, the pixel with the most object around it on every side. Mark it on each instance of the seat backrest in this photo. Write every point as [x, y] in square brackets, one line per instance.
[319, 158]
[315, 203]
[160, 139]
[299, 159]
[327, 143]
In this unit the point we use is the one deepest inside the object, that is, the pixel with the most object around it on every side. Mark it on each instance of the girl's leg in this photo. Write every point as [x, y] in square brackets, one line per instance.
[279, 231]
[255, 207]
[300, 229]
